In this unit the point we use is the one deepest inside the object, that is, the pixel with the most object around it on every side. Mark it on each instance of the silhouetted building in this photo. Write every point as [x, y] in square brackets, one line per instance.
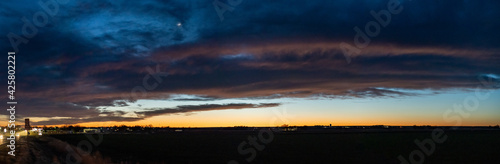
[27, 124]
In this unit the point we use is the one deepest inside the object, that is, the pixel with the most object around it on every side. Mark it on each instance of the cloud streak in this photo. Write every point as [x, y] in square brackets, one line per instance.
[118, 116]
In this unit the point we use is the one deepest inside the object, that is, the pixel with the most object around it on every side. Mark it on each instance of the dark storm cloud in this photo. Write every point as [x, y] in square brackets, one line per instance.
[203, 107]
[92, 53]
[196, 98]
[41, 107]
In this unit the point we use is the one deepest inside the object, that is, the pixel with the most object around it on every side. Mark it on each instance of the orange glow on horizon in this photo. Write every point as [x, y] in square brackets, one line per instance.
[266, 124]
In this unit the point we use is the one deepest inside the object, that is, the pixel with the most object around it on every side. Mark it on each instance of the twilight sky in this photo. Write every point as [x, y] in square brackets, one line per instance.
[255, 63]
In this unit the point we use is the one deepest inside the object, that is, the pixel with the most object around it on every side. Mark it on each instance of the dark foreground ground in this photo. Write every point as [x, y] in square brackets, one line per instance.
[222, 147]
[358, 147]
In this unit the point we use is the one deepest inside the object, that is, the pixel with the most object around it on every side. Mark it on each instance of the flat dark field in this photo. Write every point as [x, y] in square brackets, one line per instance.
[352, 147]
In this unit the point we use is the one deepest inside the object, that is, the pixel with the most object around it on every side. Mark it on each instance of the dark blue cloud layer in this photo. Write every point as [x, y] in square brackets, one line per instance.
[91, 53]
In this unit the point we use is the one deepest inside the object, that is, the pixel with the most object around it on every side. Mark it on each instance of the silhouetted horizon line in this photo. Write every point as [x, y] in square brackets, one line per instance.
[244, 126]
